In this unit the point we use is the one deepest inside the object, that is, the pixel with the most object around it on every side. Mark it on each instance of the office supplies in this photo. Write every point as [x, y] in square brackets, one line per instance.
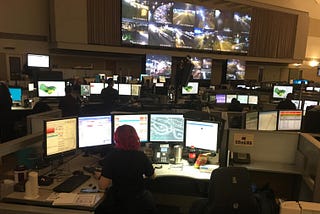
[71, 183]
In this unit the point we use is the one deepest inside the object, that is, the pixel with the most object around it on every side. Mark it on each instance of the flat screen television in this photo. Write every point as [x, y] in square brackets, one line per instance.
[139, 121]
[281, 91]
[16, 94]
[172, 24]
[60, 137]
[289, 120]
[38, 60]
[251, 122]
[202, 135]
[166, 128]
[158, 65]
[267, 120]
[51, 88]
[236, 69]
[96, 88]
[124, 89]
[191, 88]
[202, 68]
[94, 131]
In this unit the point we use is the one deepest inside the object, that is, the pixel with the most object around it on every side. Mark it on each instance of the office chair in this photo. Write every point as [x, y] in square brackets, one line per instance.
[229, 193]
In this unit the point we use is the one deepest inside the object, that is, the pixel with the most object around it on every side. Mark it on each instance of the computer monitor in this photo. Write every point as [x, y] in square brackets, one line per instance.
[251, 122]
[289, 120]
[267, 120]
[191, 88]
[60, 137]
[229, 97]
[202, 135]
[307, 103]
[309, 88]
[139, 121]
[51, 88]
[85, 90]
[281, 91]
[16, 94]
[94, 131]
[297, 103]
[135, 89]
[124, 89]
[38, 60]
[166, 127]
[253, 99]
[242, 98]
[220, 98]
[96, 88]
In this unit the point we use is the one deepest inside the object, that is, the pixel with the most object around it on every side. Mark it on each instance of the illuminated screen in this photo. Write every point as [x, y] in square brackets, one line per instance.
[96, 87]
[253, 99]
[30, 86]
[138, 121]
[317, 89]
[307, 103]
[135, 89]
[267, 120]
[37, 60]
[220, 98]
[85, 90]
[281, 91]
[229, 97]
[166, 127]
[252, 120]
[60, 136]
[297, 103]
[124, 89]
[95, 131]
[51, 88]
[16, 94]
[202, 135]
[169, 24]
[243, 99]
[191, 88]
[158, 65]
[289, 120]
[309, 88]
[202, 68]
[236, 69]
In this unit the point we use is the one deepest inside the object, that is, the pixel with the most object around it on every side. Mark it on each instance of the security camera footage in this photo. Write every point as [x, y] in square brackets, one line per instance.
[158, 65]
[236, 69]
[183, 25]
[202, 68]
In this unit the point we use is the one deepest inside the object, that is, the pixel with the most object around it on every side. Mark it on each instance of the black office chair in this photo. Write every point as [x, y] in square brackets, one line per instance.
[229, 193]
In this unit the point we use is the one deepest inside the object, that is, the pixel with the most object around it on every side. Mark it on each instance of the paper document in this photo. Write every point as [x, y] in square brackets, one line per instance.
[73, 199]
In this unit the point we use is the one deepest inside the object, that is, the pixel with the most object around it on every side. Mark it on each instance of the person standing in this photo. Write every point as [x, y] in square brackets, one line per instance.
[7, 120]
[109, 96]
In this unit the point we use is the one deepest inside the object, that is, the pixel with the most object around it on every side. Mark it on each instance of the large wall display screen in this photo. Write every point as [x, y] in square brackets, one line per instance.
[164, 23]
[158, 65]
[202, 68]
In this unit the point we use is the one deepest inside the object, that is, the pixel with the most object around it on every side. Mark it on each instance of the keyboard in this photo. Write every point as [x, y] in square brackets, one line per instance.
[71, 183]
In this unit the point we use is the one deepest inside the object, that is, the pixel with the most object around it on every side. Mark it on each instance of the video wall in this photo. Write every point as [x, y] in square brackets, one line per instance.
[165, 23]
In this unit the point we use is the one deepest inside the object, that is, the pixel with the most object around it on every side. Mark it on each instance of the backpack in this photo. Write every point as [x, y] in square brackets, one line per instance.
[266, 200]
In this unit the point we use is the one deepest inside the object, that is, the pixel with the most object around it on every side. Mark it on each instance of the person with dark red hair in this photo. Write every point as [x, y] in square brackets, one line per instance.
[123, 176]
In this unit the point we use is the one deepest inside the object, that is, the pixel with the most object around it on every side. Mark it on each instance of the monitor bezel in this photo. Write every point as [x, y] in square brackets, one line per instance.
[34, 54]
[261, 112]
[42, 96]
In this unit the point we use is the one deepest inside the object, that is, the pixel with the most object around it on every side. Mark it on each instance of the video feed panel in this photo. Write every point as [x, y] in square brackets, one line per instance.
[252, 120]
[166, 127]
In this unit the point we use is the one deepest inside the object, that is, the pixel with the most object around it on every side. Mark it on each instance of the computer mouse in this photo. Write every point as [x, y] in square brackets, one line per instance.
[77, 172]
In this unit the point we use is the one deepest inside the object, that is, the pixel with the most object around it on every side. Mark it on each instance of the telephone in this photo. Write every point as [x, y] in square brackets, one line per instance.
[241, 158]
[161, 153]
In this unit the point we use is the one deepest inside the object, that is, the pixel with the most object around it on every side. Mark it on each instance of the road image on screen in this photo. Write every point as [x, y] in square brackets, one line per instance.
[202, 135]
[252, 120]
[95, 131]
[60, 136]
[138, 121]
[268, 120]
[166, 127]
[289, 120]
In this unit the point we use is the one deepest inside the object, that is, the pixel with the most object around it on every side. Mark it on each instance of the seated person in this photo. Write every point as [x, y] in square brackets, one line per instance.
[69, 105]
[235, 105]
[123, 176]
[287, 104]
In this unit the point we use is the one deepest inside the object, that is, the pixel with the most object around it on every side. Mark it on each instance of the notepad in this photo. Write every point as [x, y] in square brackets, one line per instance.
[62, 199]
